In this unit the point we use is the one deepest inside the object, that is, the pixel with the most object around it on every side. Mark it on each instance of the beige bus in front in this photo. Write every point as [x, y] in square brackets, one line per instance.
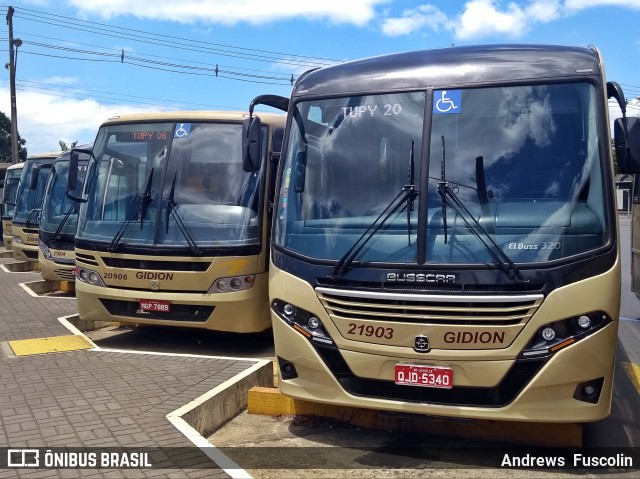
[445, 235]
[173, 226]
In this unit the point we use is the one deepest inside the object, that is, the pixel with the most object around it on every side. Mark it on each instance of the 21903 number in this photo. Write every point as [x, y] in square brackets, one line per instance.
[370, 331]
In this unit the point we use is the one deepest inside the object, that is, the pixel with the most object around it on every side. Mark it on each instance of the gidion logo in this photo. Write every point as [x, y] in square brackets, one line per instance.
[154, 275]
[420, 278]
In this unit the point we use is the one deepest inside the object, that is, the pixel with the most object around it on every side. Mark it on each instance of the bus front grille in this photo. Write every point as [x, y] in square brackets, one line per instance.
[66, 274]
[156, 265]
[85, 258]
[30, 254]
[501, 310]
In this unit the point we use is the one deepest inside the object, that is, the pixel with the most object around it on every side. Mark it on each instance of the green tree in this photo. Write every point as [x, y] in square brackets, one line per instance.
[64, 147]
[5, 141]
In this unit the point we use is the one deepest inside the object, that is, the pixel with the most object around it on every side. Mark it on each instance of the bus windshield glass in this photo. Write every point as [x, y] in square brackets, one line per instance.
[11, 182]
[29, 199]
[171, 184]
[58, 208]
[524, 161]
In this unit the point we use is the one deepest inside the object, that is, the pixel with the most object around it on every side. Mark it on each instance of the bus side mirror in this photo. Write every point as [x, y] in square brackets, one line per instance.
[33, 181]
[276, 141]
[72, 178]
[627, 149]
[301, 169]
[251, 133]
[74, 158]
[35, 174]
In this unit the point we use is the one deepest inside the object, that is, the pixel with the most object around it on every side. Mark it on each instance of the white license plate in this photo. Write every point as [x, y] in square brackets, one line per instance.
[424, 376]
[154, 305]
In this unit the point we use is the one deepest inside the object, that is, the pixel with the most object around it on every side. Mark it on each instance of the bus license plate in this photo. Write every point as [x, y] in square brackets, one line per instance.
[425, 376]
[154, 305]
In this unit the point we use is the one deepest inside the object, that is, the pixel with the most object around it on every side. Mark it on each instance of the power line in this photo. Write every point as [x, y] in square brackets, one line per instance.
[129, 58]
[109, 97]
[112, 57]
[169, 41]
[119, 52]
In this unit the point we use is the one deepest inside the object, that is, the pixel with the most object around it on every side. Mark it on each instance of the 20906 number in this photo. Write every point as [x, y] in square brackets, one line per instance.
[120, 276]
[370, 331]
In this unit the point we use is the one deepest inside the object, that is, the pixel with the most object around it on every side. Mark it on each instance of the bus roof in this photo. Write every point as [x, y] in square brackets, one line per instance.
[186, 116]
[48, 154]
[451, 67]
[16, 166]
[66, 155]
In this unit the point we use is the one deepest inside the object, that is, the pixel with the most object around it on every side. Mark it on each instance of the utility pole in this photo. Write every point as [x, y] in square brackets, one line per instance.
[15, 145]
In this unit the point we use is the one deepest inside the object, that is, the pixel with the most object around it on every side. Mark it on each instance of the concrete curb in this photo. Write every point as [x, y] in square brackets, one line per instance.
[208, 412]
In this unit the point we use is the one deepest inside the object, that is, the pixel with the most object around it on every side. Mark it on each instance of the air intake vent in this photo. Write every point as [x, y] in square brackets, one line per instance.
[156, 265]
[429, 309]
[87, 259]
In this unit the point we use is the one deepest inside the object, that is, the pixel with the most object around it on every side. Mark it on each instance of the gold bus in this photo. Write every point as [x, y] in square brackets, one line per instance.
[4, 166]
[26, 215]
[173, 226]
[445, 235]
[11, 182]
[59, 220]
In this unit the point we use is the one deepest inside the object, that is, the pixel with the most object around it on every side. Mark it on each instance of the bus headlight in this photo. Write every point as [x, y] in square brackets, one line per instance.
[584, 321]
[304, 322]
[232, 284]
[555, 336]
[89, 276]
[17, 239]
[44, 249]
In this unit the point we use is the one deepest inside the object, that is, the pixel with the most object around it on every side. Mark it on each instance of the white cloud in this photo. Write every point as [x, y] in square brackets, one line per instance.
[582, 4]
[58, 80]
[231, 12]
[479, 18]
[43, 119]
[414, 19]
[482, 18]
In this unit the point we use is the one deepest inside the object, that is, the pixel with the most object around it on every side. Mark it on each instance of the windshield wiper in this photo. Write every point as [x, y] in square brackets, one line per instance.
[406, 197]
[171, 211]
[143, 201]
[72, 209]
[450, 198]
[442, 188]
[28, 222]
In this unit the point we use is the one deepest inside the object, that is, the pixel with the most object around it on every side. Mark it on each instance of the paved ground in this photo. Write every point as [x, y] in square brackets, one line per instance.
[94, 398]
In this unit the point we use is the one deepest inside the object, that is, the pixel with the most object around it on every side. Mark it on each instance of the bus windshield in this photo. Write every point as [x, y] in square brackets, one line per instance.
[523, 160]
[11, 182]
[173, 185]
[29, 199]
[58, 209]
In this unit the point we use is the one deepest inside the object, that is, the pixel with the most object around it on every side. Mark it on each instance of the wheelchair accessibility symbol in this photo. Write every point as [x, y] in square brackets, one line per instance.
[447, 101]
[182, 130]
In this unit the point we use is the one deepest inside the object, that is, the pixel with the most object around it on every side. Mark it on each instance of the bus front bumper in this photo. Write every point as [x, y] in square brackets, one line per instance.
[244, 311]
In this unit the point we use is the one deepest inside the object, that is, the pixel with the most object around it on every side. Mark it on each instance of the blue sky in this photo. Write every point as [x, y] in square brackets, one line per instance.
[82, 61]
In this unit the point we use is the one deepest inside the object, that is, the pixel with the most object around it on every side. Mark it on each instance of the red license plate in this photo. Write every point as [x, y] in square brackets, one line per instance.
[425, 376]
[154, 305]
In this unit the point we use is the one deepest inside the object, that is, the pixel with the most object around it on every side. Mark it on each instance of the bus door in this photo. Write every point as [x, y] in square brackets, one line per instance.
[635, 237]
